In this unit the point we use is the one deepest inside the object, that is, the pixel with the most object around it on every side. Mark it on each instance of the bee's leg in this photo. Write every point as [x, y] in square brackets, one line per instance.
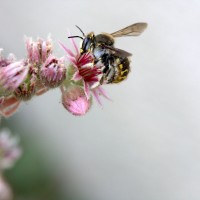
[106, 62]
[109, 70]
[110, 74]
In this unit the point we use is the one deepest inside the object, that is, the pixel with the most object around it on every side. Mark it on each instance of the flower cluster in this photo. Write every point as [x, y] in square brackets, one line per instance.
[9, 149]
[75, 74]
[10, 152]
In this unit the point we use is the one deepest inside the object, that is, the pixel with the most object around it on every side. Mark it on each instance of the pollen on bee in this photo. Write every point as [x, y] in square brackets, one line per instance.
[125, 71]
[121, 66]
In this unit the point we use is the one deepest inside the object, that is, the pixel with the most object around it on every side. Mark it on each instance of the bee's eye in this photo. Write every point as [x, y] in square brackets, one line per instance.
[86, 44]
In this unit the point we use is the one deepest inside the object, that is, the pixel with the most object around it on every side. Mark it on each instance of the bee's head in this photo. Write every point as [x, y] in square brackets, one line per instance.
[105, 38]
[87, 41]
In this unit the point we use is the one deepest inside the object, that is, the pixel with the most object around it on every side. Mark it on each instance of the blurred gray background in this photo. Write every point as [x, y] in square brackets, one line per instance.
[146, 143]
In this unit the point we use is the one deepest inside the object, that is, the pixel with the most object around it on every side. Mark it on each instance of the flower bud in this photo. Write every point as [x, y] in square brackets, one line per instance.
[13, 75]
[4, 62]
[38, 51]
[75, 101]
[53, 72]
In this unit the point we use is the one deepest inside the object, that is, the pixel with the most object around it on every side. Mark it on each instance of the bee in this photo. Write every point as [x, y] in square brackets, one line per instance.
[114, 62]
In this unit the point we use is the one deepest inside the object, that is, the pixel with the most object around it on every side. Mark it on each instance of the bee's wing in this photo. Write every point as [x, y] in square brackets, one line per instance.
[118, 52]
[132, 30]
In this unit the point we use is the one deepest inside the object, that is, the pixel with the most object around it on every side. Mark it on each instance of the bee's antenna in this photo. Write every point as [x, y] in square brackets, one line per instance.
[80, 30]
[75, 37]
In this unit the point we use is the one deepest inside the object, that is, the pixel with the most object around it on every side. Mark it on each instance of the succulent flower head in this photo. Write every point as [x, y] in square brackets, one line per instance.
[53, 72]
[85, 70]
[12, 75]
[39, 50]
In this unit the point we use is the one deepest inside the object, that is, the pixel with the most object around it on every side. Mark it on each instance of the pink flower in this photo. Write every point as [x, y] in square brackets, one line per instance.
[98, 92]
[39, 50]
[53, 72]
[9, 149]
[86, 71]
[75, 101]
[13, 75]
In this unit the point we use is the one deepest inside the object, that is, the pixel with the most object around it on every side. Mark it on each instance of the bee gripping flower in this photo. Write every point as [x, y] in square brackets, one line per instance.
[41, 70]
[75, 101]
[86, 71]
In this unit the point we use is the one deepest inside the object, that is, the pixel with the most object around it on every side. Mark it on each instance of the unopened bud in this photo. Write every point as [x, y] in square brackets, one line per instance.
[53, 72]
[38, 51]
[75, 101]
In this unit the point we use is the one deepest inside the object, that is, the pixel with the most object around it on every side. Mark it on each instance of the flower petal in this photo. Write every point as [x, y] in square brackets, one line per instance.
[103, 93]
[71, 59]
[76, 76]
[66, 49]
[86, 89]
[96, 95]
[73, 43]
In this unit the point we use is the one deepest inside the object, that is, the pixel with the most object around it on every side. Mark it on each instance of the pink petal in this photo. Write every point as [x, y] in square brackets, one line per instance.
[35, 53]
[74, 44]
[99, 91]
[76, 76]
[79, 107]
[2, 100]
[66, 49]
[44, 51]
[71, 59]
[21, 79]
[103, 93]
[86, 90]
[96, 95]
